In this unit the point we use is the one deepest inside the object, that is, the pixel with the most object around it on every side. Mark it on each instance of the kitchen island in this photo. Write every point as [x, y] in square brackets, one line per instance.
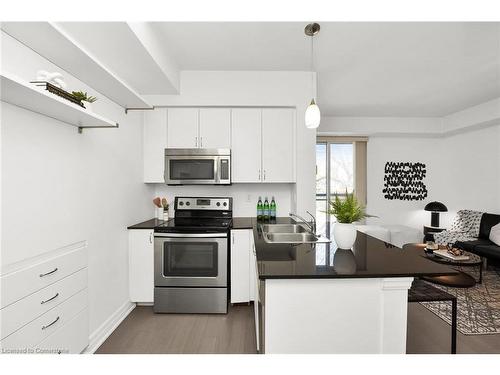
[315, 298]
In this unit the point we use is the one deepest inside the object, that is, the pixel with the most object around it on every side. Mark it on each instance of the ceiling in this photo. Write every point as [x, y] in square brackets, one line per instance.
[376, 69]
[364, 69]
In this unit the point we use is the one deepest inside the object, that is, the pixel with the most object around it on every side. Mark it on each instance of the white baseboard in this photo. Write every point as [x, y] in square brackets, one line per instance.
[105, 329]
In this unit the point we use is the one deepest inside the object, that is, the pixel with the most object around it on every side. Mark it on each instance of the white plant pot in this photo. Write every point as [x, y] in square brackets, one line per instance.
[344, 235]
[88, 106]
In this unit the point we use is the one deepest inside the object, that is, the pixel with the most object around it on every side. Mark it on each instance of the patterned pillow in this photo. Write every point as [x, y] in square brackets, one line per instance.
[467, 221]
[495, 234]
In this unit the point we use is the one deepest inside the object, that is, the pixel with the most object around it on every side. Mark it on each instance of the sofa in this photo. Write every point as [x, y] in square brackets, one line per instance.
[481, 245]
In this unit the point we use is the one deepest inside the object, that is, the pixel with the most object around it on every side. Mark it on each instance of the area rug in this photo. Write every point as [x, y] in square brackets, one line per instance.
[478, 311]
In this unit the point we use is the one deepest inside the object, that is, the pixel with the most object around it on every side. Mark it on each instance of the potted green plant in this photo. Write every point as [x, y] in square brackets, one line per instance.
[84, 97]
[347, 211]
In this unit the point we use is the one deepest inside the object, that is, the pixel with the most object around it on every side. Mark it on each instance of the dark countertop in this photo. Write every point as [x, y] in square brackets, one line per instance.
[238, 223]
[243, 222]
[369, 258]
[148, 224]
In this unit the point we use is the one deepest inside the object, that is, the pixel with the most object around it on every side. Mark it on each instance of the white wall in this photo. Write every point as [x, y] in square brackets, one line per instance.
[381, 126]
[60, 187]
[245, 196]
[461, 152]
[383, 149]
[471, 179]
[257, 89]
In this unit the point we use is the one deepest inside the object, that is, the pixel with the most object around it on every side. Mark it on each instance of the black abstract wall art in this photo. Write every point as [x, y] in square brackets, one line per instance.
[404, 181]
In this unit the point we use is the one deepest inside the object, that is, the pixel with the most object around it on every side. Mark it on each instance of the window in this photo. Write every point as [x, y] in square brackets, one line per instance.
[340, 167]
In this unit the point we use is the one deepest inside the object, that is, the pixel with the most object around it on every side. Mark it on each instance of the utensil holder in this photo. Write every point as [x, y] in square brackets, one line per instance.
[159, 213]
[165, 215]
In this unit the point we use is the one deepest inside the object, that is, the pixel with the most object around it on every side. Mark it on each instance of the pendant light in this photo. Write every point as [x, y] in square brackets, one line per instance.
[313, 115]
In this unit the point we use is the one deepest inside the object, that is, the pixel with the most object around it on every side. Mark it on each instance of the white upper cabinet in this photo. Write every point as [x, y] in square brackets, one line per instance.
[155, 142]
[278, 135]
[246, 144]
[262, 140]
[215, 128]
[182, 128]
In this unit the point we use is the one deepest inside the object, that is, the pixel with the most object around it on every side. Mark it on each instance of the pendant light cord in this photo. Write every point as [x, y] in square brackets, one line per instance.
[312, 66]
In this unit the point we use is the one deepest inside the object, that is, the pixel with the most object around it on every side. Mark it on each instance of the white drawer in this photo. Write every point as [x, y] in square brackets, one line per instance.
[39, 329]
[72, 338]
[19, 284]
[20, 313]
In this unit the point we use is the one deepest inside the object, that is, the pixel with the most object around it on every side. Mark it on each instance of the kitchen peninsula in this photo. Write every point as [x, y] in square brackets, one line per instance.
[315, 298]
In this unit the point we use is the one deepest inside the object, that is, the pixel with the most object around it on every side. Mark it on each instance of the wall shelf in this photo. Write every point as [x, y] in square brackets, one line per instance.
[33, 98]
[56, 45]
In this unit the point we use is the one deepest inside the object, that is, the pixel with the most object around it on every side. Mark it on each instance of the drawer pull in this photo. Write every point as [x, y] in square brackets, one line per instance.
[49, 273]
[50, 299]
[51, 324]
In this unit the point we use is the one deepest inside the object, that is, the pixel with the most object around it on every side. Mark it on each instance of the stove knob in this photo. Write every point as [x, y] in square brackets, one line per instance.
[224, 204]
[188, 204]
[181, 203]
[218, 204]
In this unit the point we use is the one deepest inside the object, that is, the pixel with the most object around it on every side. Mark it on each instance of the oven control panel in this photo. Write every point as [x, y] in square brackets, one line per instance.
[203, 203]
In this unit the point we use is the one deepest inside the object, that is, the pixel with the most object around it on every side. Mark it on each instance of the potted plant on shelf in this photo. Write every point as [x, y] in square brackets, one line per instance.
[84, 97]
[347, 211]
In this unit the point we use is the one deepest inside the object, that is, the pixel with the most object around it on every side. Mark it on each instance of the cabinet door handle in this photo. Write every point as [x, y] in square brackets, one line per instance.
[264, 174]
[49, 273]
[151, 237]
[196, 141]
[259, 175]
[50, 299]
[201, 141]
[233, 238]
[50, 324]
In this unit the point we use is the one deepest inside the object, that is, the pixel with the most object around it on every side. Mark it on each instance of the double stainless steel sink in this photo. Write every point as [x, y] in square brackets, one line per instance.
[290, 233]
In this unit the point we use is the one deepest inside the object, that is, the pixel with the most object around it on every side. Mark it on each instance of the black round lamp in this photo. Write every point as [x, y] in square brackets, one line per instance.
[435, 208]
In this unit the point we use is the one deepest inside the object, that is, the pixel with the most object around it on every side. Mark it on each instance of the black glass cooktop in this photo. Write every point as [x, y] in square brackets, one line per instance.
[192, 225]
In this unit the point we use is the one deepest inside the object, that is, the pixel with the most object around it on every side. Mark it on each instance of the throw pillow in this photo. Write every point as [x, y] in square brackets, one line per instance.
[495, 234]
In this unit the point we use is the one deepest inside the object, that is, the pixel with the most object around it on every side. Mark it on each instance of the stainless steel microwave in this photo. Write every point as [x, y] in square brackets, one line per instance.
[197, 166]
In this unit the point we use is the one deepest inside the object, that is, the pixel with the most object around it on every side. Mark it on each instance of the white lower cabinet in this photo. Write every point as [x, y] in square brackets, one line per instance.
[141, 273]
[255, 288]
[46, 309]
[242, 266]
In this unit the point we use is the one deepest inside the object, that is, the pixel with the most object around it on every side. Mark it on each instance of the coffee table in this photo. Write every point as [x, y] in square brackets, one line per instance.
[461, 279]
[473, 261]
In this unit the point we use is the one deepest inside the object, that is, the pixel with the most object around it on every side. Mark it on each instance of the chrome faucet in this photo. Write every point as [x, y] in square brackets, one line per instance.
[311, 225]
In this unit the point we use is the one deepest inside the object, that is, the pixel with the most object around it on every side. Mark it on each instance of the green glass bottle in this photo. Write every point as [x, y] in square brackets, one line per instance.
[260, 209]
[272, 209]
[266, 209]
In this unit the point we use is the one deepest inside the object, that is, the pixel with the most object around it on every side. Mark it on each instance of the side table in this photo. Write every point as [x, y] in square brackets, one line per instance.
[430, 231]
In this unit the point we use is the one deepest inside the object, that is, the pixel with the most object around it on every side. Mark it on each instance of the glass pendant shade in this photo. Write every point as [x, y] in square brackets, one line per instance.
[313, 115]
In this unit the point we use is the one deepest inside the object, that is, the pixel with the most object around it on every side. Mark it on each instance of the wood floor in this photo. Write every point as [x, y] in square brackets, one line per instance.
[145, 332]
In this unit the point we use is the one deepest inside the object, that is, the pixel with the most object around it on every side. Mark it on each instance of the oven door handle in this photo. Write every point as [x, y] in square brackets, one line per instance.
[191, 235]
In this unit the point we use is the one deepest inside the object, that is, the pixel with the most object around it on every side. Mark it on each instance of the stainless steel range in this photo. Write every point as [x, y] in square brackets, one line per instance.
[191, 257]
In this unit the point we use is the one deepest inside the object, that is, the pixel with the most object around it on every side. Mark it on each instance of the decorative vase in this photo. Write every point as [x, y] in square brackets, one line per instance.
[344, 262]
[159, 213]
[344, 235]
